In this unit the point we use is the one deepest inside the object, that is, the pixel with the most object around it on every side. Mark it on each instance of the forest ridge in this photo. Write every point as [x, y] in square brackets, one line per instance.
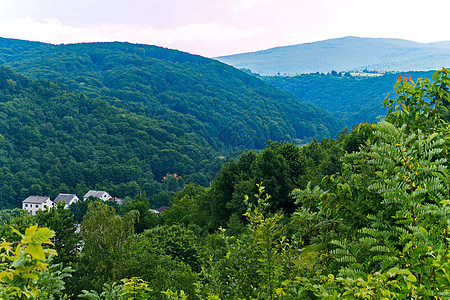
[119, 117]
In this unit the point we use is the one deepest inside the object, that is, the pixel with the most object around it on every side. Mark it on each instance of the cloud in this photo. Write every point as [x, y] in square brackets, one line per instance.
[245, 5]
[50, 30]
[210, 32]
[187, 37]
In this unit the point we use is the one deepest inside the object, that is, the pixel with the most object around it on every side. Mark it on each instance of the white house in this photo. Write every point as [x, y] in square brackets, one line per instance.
[68, 198]
[102, 195]
[34, 203]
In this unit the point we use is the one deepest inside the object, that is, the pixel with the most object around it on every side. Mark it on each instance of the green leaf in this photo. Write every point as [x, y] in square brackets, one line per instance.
[43, 235]
[280, 292]
[15, 231]
[411, 278]
[36, 251]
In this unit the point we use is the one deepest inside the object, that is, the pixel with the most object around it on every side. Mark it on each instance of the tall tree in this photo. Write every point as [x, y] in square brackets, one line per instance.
[104, 236]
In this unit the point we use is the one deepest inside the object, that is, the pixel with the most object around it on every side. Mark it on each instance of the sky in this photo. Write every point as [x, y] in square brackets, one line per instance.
[214, 28]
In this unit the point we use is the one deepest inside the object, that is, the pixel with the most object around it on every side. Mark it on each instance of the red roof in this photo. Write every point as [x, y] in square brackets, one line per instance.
[163, 209]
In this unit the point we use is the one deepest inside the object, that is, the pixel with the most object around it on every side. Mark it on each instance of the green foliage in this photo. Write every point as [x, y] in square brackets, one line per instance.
[177, 242]
[160, 256]
[353, 99]
[20, 222]
[256, 263]
[188, 207]
[119, 117]
[105, 246]
[109, 292]
[281, 165]
[376, 227]
[60, 220]
[420, 104]
[23, 263]
[53, 281]
[134, 288]
[7, 215]
[79, 209]
[162, 271]
[181, 295]
[147, 219]
[388, 209]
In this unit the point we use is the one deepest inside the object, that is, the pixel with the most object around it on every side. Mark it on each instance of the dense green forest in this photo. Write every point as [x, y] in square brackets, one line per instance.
[119, 117]
[55, 142]
[226, 107]
[360, 216]
[169, 252]
[353, 99]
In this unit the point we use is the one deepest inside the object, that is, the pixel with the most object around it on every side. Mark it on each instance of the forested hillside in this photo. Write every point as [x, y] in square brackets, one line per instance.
[226, 107]
[119, 117]
[53, 141]
[353, 99]
[361, 216]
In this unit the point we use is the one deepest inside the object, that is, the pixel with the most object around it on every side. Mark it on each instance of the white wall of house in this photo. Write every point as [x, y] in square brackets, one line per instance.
[102, 195]
[32, 208]
[73, 200]
[105, 196]
[69, 199]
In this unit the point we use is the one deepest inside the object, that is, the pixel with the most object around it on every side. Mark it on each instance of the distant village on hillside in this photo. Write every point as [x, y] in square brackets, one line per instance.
[34, 203]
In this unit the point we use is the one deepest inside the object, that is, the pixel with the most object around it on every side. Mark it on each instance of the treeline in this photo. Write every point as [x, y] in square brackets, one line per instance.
[119, 117]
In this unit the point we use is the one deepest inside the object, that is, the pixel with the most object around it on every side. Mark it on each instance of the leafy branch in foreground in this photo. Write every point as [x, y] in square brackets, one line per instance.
[256, 263]
[392, 200]
[23, 263]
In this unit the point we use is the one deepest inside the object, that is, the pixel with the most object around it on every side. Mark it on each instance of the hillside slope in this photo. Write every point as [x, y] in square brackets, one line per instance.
[53, 141]
[119, 117]
[345, 54]
[229, 108]
[353, 99]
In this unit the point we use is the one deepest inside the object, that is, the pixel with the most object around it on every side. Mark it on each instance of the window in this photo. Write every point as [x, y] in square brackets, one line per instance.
[26, 205]
[37, 205]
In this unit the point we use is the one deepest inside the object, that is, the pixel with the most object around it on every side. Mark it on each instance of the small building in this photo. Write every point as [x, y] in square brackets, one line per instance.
[68, 198]
[34, 203]
[102, 195]
[162, 209]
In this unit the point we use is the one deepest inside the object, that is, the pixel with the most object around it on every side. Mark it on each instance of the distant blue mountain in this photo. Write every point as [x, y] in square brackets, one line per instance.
[345, 54]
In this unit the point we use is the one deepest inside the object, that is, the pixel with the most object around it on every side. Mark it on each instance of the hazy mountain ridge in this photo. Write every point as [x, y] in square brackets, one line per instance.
[345, 54]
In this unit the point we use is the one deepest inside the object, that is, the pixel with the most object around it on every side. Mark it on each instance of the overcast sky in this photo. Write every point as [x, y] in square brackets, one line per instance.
[220, 27]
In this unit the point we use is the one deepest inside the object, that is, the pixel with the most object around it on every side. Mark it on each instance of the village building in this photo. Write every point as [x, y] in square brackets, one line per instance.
[34, 203]
[67, 198]
[162, 209]
[102, 195]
